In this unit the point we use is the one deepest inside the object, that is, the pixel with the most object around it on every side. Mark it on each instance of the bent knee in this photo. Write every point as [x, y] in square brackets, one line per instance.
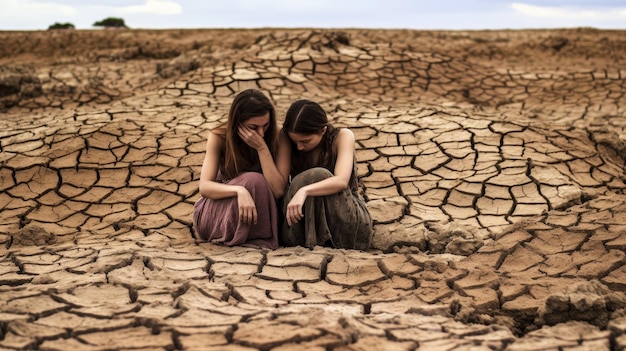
[252, 177]
[312, 175]
[251, 180]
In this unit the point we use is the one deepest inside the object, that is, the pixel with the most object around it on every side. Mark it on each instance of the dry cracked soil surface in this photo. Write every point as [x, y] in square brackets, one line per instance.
[492, 163]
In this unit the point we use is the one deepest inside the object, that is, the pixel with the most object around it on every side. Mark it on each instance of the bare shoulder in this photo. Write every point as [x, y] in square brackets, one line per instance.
[216, 137]
[215, 141]
[346, 135]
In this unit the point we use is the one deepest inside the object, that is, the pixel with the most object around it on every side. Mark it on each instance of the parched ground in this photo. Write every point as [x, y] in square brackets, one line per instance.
[492, 163]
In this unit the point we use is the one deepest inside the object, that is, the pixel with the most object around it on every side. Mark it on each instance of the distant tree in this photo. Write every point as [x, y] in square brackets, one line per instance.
[111, 22]
[58, 25]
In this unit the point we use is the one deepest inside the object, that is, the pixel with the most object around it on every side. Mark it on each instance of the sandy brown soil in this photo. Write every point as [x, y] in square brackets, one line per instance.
[492, 162]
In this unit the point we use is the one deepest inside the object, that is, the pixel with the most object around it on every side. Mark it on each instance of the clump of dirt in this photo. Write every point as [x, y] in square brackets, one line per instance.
[589, 301]
[453, 238]
[17, 83]
[178, 66]
[33, 235]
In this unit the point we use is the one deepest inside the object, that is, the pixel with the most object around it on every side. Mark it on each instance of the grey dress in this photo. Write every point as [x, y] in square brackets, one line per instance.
[340, 220]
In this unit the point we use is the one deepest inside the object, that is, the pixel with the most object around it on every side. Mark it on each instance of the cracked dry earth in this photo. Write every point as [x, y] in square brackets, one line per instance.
[492, 163]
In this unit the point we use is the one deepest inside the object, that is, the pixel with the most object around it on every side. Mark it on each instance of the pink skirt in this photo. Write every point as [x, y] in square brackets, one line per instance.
[217, 221]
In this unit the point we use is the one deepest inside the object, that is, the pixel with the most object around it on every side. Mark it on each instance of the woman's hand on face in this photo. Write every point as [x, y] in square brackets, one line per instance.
[294, 208]
[251, 138]
[247, 207]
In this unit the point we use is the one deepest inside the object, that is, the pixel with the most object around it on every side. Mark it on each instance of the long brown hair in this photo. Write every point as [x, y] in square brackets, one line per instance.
[237, 156]
[308, 117]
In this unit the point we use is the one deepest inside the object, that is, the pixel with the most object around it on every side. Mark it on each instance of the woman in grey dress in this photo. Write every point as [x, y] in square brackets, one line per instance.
[322, 205]
[240, 180]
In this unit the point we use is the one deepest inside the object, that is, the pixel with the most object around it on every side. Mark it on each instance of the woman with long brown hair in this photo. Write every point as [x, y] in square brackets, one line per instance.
[323, 205]
[240, 180]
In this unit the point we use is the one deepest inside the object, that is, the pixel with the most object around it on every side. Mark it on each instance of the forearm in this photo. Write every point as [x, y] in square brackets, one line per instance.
[215, 190]
[274, 178]
[328, 186]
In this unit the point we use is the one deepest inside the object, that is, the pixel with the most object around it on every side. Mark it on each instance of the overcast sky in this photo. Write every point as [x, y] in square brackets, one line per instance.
[409, 14]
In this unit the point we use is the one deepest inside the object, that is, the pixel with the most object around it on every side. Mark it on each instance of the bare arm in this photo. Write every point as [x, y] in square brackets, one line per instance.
[211, 189]
[343, 168]
[276, 172]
